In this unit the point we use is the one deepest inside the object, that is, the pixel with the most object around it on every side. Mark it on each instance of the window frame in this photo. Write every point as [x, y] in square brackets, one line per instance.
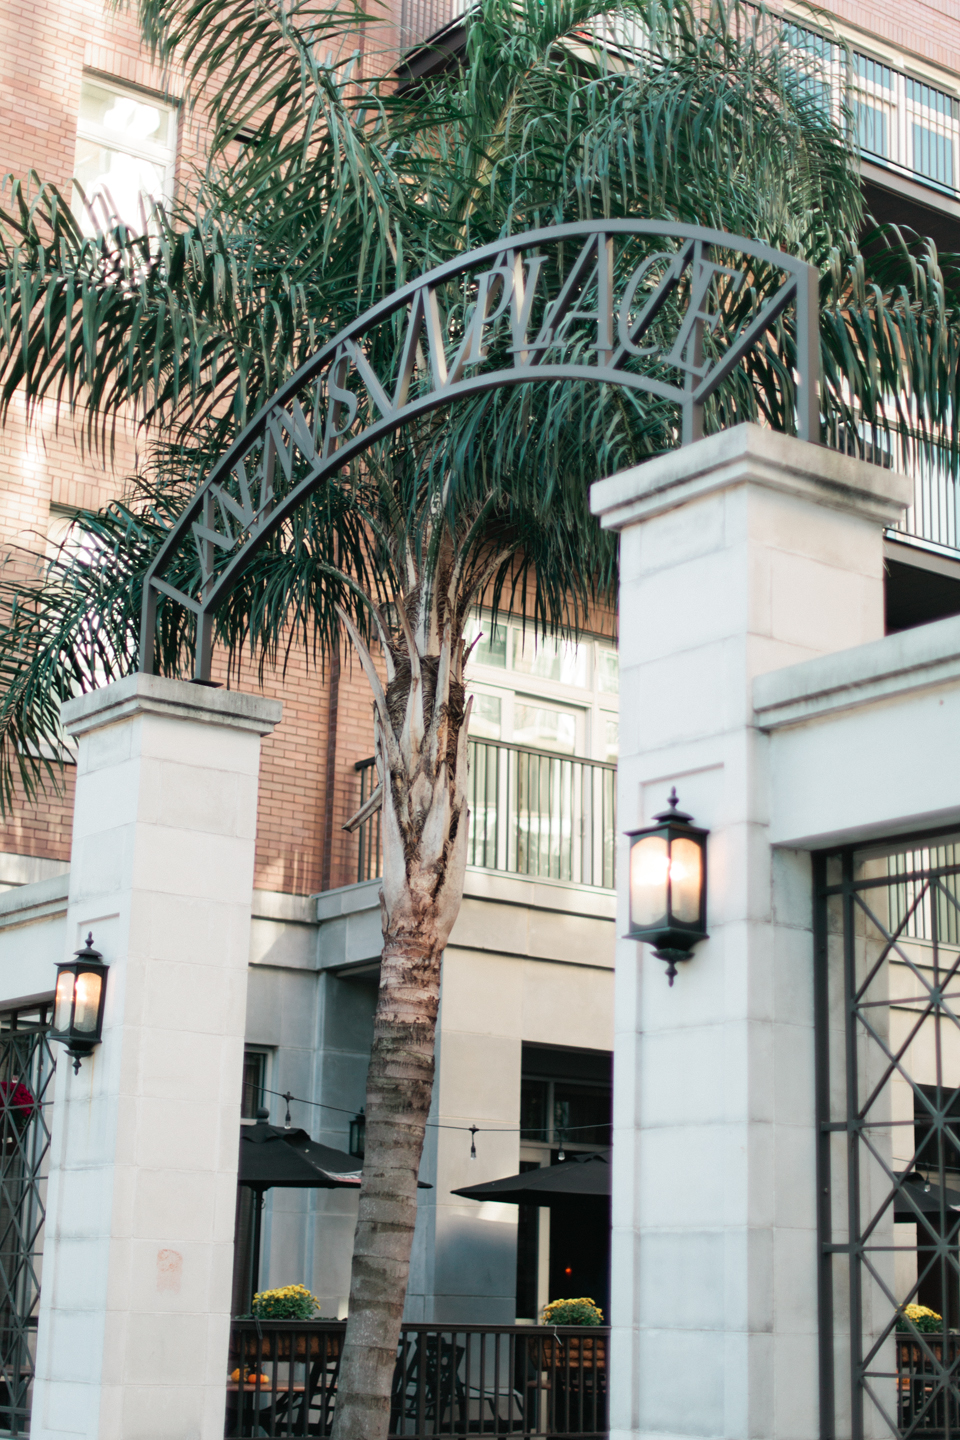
[266, 1053]
[592, 706]
[164, 156]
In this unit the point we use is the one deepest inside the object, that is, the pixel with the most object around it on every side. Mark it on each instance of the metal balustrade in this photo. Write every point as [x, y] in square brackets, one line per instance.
[928, 1402]
[532, 812]
[524, 1381]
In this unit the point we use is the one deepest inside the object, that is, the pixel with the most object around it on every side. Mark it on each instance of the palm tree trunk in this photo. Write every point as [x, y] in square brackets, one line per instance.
[399, 1086]
[421, 732]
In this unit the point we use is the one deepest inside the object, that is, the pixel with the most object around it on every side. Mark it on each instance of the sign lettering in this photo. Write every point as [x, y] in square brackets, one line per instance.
[630, 303]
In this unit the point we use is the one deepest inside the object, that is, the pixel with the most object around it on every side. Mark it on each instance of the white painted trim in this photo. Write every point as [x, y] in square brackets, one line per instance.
[891, 668]
[36, 901]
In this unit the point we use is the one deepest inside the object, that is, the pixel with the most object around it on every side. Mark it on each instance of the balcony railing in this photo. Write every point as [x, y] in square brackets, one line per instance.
[532, 812]
[524, 1381]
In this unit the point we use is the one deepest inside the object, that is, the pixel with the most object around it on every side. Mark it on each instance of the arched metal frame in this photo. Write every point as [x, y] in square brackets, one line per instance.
[324, 439]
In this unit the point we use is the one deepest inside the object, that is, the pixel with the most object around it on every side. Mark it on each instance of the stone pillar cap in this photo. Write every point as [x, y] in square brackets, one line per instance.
[179, 699]
[749, 454]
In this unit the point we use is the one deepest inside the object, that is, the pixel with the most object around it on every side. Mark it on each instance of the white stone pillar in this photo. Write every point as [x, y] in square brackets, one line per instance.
[138, 1248]
[739, 554]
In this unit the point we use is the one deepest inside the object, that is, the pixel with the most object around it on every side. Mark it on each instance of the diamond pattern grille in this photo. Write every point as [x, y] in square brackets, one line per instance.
[888, 1082]
[26, 1104]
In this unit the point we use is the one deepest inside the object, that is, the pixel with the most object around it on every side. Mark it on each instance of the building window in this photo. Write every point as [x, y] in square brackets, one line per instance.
[543, 693]
[126, 152]
[871, 129]
[254, 1082]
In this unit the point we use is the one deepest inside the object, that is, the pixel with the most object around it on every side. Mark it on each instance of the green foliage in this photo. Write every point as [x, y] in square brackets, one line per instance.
[325, 191]
[572, 1312]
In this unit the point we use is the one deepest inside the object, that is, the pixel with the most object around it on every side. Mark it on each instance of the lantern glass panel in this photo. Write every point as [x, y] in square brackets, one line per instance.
[89, 984]
[649, 862]
[686, 880]
[64, 1000]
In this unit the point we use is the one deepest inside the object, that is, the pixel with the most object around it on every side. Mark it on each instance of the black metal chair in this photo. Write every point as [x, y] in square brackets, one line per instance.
[428, 1389]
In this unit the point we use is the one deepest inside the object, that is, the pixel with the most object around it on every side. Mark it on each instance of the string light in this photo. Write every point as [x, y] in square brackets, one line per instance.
[563, 1133]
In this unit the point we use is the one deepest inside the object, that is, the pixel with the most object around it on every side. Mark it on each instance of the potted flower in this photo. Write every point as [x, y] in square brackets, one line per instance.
[927, 1321]
[577, 1351]
[572, 1312]
[288, 1302]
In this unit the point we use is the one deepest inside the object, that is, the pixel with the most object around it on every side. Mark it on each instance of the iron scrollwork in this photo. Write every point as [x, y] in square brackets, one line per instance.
[650, 306]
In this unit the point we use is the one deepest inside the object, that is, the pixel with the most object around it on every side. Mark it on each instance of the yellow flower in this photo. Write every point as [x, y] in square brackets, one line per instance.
[593, 1314]
[917, 1312]
[285, 1302]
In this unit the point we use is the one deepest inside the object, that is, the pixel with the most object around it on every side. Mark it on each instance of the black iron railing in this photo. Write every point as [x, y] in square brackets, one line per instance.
[519, 1380]
[928, 1397]
[369, 842]
[26, 1091]
[532, 812]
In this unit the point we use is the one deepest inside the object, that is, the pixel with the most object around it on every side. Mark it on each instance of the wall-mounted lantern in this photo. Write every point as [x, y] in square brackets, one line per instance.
[668, 885]
[358, 1134]
[78, 1006]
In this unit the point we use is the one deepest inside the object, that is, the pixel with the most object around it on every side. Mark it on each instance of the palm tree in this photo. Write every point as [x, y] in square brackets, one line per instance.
[325, 191]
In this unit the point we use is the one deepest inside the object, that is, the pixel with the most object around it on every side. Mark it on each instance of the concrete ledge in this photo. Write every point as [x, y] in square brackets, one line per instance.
[529, 891]
[515, 915]
[27, 869]
[890, 668]
[348, 900]
[534, 892]
[277, 905]
[179, 699]
[34, 902]
[750, 454]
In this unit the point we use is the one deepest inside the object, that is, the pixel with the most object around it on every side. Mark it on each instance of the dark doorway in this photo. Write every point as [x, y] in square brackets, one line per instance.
[565, 1110]
[580, 1253]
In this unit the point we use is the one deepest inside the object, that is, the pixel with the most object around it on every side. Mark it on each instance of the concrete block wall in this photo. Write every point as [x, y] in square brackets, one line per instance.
[138, 1244]
[751, 552]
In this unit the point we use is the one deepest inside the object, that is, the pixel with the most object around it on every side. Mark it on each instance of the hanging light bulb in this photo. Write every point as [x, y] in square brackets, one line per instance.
[473, 1142]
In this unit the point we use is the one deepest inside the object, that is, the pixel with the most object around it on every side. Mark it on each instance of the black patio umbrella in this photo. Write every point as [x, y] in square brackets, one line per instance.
[578, 1178]
[271, 1158]
[290, 1159]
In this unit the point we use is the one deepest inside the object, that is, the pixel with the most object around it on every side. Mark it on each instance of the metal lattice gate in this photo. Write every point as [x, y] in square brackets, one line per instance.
[26, 1096]
[887, 997]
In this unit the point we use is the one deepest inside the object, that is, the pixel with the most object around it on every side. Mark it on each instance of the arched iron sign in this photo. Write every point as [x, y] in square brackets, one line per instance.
[648, 305]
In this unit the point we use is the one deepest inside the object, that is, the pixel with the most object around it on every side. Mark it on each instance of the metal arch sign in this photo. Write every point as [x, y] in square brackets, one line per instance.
[645, 305]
